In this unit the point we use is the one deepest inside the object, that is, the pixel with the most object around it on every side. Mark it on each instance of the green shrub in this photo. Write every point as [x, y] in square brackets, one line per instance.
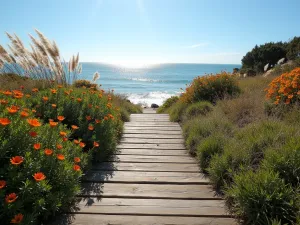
[285, 161]
[210, 146]
[247, 149]
[195, 130]
[176, 111]
[260, 197]
[211, 88]
[167, 104]
[37, 200]
[197, 109]
[84, 83]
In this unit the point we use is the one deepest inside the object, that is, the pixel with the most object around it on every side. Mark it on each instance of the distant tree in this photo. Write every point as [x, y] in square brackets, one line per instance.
[235, 70]
[261, 55]
[293, 48]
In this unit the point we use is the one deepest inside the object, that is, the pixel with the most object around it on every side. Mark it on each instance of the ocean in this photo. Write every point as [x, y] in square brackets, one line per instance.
[149, 84]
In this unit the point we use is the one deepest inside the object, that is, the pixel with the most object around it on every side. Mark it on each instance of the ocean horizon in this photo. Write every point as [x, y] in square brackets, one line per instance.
[150, 83]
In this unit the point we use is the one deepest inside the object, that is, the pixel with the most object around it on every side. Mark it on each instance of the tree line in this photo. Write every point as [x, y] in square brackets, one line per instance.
[269, 53]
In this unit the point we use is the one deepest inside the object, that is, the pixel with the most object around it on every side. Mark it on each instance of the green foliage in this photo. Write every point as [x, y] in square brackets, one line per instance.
[195, 130]
[211, 88]
[167, 104]
[176, 111]
[261, 55]
[285, 161]
[293, 48]
[74, 125]
[260, 197]
[207, 148]
[247, 149]
[84, 83]
[197, 109]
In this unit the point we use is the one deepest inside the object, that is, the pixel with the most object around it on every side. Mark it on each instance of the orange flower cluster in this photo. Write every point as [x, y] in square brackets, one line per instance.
[285, 88]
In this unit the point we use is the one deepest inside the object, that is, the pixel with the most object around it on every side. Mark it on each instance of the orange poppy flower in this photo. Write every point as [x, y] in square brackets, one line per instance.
[84, 92]
[53, 91]
[17, 219]
[60, 157]
[34, 111]
[4, 121]
[76, 142]
[53, 106]
[59, 146]
[48, 152]
[39, 176]
[60, 118]
[3, 102]
[17, 160]
[53, 124]
[18, 94]
[33, 133]
[88, 118]
[74, 127]
[77, 160]
[37, 146]
[82, 144]
[76, 168]
[45, 99]
[24, 114]
[90, 105]
[97, 121]
[7, 93]
[2, 184]
[96, 144]
[62, 133]
[59, 86]
[50, 120]
[27, 96]
[97, 107]
[34, 122]
[12, 197]
[79, 99]
[66, 93]
[105, 118]
[65, 139]
[35, 90]
[91, 128]
[13, 109]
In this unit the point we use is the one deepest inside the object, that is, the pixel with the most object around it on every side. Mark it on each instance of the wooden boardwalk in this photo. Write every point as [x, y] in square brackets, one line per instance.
[152, 180]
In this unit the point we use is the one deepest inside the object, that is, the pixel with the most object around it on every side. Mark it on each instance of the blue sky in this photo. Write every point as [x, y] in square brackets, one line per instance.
[151, 31]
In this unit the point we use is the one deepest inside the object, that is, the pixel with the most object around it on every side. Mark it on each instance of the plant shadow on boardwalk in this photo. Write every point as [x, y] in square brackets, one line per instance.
[90, 190]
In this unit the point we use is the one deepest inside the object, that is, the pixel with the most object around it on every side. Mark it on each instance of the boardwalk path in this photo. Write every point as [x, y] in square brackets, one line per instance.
[152, 181]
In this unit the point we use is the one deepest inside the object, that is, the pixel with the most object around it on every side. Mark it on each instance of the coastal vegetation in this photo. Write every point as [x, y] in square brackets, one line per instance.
[269, 53]
[52, 128]
[246, 141]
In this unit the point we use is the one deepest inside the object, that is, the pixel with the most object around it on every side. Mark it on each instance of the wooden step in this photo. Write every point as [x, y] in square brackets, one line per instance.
[171, 191]
[156, 159]
[162, 167]
[94, 219]
[145, 177]
[151, 146]
[152, 152]
[152, 140]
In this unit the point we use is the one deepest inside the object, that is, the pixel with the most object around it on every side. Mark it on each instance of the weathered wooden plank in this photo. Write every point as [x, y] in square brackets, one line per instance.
[132, 124]
[149, 111]
[91, 219]
[151, 131]
[136, 128]
[148, 191]
[152, 141]
[153, 207]
[169, 152]
[147, 158]
[145, 177]
[167, 167]
[152, 146]
[153, 136]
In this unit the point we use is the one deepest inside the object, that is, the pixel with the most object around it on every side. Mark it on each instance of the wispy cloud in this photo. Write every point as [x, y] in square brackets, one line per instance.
[197, 45]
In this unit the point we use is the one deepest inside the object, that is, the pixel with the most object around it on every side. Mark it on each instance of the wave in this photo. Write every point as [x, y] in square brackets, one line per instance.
[146, 99]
